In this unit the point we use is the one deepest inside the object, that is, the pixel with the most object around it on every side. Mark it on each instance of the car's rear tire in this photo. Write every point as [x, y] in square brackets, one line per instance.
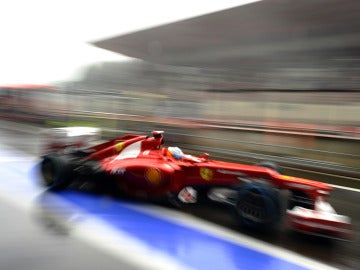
[57, 171]
[258, 207]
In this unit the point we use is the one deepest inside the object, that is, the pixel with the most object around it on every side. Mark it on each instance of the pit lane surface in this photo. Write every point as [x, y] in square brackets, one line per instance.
[344, 255]
[137, 234]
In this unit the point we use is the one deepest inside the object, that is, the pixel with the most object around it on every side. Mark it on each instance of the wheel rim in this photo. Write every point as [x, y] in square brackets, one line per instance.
[252, 208]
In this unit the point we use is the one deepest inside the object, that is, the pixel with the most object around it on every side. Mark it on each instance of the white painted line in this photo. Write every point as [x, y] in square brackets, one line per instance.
[323, 173]
[346, 188]
[123, 246]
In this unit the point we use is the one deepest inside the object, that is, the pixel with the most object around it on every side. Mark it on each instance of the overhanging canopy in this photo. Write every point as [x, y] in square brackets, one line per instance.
[272, 33]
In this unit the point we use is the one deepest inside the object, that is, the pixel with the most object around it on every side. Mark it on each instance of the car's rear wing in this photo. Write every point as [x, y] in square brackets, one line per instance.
[64, 138]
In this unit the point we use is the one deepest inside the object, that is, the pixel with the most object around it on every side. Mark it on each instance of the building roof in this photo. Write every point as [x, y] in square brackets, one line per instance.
[266, 34]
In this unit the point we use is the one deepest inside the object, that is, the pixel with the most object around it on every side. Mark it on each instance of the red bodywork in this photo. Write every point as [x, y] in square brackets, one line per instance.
[150, 169]
[141, 166]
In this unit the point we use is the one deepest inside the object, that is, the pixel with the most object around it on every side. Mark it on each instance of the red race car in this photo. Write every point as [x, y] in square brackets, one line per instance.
[140, 166]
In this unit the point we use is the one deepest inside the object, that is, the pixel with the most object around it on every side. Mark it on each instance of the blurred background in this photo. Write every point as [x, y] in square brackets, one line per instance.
[243, 80]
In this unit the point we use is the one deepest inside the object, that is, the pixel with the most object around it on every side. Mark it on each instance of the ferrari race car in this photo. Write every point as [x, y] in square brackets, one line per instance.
[141, 166]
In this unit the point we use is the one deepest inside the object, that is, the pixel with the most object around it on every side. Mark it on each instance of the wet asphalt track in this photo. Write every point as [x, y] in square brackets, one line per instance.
[29, 237]
[31, 244]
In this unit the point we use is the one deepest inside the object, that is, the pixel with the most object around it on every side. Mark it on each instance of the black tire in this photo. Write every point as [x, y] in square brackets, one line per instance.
[271, 165]
[57, 171]
[258, 207]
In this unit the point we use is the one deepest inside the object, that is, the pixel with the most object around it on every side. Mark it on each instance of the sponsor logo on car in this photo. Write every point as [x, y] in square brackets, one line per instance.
[119, 171]
[153, 175]
[206, 174]
[119, 146]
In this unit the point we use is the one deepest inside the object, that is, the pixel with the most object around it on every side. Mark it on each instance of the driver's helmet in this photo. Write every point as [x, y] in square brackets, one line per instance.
[175, 152]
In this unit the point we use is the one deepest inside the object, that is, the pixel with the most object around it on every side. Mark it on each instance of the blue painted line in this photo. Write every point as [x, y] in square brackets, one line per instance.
[190, 246]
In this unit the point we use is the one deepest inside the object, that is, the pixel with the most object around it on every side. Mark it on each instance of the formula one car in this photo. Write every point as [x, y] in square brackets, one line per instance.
[140, 166]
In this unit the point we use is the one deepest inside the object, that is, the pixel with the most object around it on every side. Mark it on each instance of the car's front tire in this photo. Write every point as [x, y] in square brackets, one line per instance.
[258, 207]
